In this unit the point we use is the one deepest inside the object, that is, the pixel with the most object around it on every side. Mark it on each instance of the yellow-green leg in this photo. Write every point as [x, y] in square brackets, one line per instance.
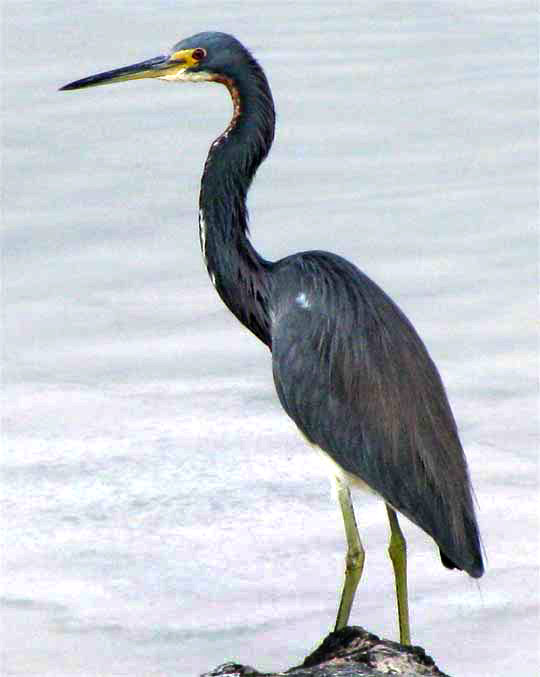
[354, 562]
[398, 554]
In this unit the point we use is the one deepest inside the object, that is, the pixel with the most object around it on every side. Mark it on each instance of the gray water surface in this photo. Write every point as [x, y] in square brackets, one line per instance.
[161, 513]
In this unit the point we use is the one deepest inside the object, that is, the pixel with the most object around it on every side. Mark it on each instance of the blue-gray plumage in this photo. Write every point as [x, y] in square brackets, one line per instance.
[353, 374]
[349, 368]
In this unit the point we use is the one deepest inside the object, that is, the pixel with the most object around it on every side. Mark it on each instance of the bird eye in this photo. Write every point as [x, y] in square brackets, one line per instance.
[198, 54]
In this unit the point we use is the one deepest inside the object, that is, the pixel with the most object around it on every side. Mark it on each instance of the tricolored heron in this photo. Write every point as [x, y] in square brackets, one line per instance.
[349, 367]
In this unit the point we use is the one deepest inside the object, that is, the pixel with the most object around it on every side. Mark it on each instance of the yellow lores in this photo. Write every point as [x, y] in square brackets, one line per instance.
[180, 62]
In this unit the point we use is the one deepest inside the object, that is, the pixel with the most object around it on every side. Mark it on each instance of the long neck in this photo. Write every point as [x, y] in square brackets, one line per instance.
[239, 274]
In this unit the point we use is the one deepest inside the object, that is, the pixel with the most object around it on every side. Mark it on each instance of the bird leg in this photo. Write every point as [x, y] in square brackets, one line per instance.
[354, 562]
[398, 554]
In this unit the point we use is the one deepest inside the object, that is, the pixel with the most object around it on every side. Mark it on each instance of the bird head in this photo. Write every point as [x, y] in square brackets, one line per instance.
[202, 57]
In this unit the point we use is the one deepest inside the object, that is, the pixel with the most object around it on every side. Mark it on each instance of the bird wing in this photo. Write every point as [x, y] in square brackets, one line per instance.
[354, 376]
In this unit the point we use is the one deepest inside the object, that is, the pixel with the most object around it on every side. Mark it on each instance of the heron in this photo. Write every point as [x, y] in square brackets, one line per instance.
[348, 366]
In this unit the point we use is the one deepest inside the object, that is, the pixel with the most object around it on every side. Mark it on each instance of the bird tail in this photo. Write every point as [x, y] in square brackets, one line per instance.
[471, 559]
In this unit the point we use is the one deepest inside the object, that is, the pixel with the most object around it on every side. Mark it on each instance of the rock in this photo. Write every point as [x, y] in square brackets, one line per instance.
[350, 652]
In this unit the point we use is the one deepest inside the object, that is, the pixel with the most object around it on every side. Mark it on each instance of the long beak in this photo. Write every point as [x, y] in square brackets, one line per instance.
[157, 67]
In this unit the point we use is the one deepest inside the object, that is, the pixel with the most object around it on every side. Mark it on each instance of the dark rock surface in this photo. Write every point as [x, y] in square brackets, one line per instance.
[351, 652]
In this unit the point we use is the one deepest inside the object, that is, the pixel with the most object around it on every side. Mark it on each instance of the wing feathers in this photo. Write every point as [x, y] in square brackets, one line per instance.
[353, 374]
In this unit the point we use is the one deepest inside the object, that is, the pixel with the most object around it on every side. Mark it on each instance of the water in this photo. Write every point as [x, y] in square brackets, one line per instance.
[161, 514]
